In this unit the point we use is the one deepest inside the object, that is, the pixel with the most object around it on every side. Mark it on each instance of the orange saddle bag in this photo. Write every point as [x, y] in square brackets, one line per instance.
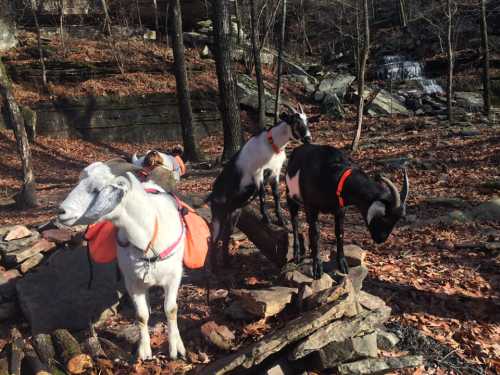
[197, 238]
[101, 239]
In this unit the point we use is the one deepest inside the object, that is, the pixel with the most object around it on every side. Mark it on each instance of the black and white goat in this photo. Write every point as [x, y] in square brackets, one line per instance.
[322, 180]
[259, 161]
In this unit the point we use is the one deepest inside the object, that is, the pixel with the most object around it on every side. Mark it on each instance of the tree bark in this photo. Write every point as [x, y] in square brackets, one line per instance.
[361, 75]
[238, 20]
[191, 151]
[449, 45]
[227, 88]
[32, 365]
[39, 43]
[45, 348]
[486, 60]
[258, 66]
[157, 23]
[280, 62]
[107, 20]
[26, 198]
[166, 23]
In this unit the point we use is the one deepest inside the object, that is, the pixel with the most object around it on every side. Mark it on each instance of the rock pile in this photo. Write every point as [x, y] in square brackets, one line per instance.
[338, 326]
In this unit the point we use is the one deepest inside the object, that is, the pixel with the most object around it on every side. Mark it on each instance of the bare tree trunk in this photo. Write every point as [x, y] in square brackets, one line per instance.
[238, 20]
[402, 14]
[166, 23]
[107, 20]
[157, 23]
[39, 42]
[227, 89]
[361, 75]
[449, 46]
[138, 13]
[280, 62]
[61, 25]
[486, 60]
[183, 96]
[26, 198]
[258, 66]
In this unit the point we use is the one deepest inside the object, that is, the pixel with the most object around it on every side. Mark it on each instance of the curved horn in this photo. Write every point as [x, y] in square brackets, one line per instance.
[134, 159]
[290, 107]
[301, 109]
[394, 192]
[405, 189]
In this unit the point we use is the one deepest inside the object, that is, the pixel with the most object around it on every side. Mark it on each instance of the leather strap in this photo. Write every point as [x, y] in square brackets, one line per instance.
[270, 139]
[340, 186]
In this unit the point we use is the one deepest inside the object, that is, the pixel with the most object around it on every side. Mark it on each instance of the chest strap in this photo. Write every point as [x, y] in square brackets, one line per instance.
[340, 186]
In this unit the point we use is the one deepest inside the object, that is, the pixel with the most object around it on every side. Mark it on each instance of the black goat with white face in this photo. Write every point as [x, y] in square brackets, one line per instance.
[259, 161]
[322, 180]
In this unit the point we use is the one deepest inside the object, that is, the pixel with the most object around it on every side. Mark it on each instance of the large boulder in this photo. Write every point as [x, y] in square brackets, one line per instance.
[470, 101]
[386, 104]
[57, 295]
[337, 85]
[488, 211]
[248, 96]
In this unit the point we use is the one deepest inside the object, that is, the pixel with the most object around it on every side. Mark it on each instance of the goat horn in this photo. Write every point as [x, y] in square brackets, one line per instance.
[134, 158]
[290, 107]
[394, 191]
[405, 189]
[301, 109]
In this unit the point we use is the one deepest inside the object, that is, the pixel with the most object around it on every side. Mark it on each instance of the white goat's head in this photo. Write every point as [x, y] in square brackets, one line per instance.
[298, 122]
[97, 196]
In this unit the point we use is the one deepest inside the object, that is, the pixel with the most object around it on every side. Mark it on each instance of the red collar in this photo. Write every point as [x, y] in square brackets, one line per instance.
[340, 186]
[270, 139]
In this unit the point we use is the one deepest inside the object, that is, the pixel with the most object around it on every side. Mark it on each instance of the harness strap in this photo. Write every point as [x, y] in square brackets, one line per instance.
[340, 186]
[270, 139]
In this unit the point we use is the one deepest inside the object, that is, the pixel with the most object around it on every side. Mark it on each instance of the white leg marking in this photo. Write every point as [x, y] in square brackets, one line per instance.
[142, 311]
[176, 346]
[293, 186]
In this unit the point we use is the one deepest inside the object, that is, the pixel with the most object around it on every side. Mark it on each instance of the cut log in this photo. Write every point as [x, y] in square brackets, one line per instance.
[263, 303]
[113, 351]
[92, 347]
[30, 263]
[275, 242]
[32, 365]
[16, 352]
[45, 348]
[66, 345]
[18, 256]
[9, 246]
[272, 343]
[79, 364]
[18, 232]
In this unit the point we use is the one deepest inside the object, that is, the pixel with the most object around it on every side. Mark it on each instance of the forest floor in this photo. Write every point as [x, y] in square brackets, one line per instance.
[448, 293]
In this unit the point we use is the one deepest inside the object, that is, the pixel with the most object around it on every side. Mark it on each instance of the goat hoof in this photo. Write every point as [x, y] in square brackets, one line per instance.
[343, 267]
[317, 270]
[144, 354]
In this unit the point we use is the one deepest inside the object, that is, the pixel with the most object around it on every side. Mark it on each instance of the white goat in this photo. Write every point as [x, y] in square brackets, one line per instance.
[104, 194]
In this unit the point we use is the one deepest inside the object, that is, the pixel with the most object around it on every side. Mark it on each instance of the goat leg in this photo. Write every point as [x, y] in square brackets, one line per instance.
[263, 211]
[339, 234]
[312, 220]
[229, 225]
[277, 203]
[293, 207]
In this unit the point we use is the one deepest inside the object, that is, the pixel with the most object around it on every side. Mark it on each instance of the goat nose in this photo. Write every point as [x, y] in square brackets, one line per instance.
[61, 211]
[307, 139]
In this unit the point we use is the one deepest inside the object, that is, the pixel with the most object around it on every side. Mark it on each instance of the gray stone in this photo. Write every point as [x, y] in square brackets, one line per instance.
[456, 216]
[348, 350]
[8, 38]
[488, 211]
[341, 330]
[450, 202]
[332, 106]
[248, 96]
[470, 101]
[205, 53]
[380, 365]
[196, 40]
[319, 96]
[264, 302]
[386, 340]
[237, 312]
[386, 104]
[357, 275]
[310, 88]
[56, 296]
[354, 254]
[337, 85]
[9, 246]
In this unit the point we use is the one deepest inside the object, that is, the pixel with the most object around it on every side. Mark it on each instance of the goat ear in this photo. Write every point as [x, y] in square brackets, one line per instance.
[284, 116]
[108, 199]
[377, 208]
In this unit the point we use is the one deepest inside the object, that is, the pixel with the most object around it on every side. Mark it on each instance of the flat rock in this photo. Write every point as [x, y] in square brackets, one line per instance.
[30, 263]
[18, 256]
[337, 85]
[488, 211]
[451, 202]
[9, 246]
[352, 349]
[380, 365]
[237, 312]
[386, 104]
[59, 236]
[219, 335]
[357, 275]
[370, 301]
[341, 330]
[264, 302]
[354, 254]
[56, 296]
[386, 340]
[17, 232]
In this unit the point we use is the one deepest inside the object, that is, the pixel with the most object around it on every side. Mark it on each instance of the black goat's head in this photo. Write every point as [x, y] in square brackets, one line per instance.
[382, 216]
[297, 120]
